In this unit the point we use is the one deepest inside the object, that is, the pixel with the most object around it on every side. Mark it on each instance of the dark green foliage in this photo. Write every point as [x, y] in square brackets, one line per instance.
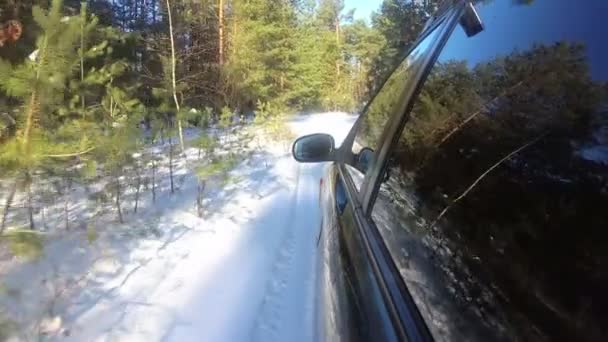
[24, 243]
[400, 23]
[87, 78]
[500, 215]
[7, 326]
[206, 145]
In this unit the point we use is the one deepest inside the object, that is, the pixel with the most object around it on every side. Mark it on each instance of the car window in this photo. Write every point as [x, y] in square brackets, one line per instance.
[389, 100]
[495, 206]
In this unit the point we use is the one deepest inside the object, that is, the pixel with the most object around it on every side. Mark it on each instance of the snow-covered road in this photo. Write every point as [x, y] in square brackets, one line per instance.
[245, 274]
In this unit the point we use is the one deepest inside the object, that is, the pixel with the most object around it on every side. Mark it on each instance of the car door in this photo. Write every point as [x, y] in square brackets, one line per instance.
[358, 301]
[494, 211]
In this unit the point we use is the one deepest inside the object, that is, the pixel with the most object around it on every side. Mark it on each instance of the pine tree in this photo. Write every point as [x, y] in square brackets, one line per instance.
[206, 144]
[120, 136]
[262, 55]
[174, 90]
[39, 84]
[116, 154]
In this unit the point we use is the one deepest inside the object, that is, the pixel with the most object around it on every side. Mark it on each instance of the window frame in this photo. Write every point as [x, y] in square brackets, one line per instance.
[407, 320]
[345, 156]
[373, 192]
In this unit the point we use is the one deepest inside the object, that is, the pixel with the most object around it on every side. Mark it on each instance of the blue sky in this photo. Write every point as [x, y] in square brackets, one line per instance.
[364, 7]
[544, 22]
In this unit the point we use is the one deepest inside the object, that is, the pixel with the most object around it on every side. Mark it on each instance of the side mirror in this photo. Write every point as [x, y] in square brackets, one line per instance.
[314, 148]
[364, 159]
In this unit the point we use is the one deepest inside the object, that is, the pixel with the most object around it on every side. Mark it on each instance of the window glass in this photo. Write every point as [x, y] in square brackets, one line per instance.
[495, 205]
[387, 101]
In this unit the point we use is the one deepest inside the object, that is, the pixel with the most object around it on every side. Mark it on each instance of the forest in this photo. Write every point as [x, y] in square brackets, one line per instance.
[108, 107]
[118, 115]
[86, 84]
[515, 228]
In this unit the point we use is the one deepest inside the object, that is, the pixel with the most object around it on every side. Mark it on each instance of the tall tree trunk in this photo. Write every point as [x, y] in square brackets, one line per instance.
[66, 212]
[138, 185]
[82, 47]
[153, 12]
[32, 108]
[7, 205]
[66, 203]
[221, 33]
[338, 46]
[234, 27]
[43, 214]
[30, 205]
[359, 84]
[173, 81]
[338, 61]
[221, 93]
[29, 121]
[171, 163]
[153, 181]
[199, 198]
[117, 203]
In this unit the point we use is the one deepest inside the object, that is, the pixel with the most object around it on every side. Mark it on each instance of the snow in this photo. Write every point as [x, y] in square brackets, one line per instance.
[597, 153]
[245, 272]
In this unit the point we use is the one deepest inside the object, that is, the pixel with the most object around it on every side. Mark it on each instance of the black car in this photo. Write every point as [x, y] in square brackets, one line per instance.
[469, 202]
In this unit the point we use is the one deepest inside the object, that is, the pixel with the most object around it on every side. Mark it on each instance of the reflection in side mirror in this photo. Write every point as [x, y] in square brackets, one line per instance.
[364, 159]
[314, 148]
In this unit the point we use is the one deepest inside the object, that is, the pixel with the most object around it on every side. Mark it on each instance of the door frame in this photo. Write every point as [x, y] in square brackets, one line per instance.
[406, 319]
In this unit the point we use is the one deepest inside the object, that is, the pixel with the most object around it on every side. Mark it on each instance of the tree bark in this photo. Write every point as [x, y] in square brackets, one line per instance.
[153, 181]
[338, 46]
[30, 205]
[43, 214]
[221, 33]
[66, 202]
[29, 121]
[82, 21]
[66, 211]
[199, 198]
[117, 203]
[171, 163]
[137, 192]
[68, 155]
[7, 206]
[338, 60]
[173, 81]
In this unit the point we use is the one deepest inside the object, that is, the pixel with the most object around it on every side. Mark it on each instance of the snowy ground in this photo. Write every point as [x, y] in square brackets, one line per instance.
[244, 273]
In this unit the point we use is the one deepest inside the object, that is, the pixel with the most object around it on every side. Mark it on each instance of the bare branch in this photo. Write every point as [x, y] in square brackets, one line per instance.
[508, 156]
[67, 155]
[474, 115]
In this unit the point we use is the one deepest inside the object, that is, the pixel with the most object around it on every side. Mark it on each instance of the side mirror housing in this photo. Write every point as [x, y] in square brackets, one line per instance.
[314, 148]
[364, 159]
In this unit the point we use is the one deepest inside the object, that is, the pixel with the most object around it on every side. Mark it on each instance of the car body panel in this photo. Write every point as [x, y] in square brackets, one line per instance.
[363, 295]
[336, 304]
[358, 284]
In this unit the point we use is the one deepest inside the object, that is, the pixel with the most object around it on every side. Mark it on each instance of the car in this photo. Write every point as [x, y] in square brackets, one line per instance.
[469, 200]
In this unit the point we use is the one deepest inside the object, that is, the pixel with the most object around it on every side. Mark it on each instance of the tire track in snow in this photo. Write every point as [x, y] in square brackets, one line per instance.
[269, 318]
[286, 313]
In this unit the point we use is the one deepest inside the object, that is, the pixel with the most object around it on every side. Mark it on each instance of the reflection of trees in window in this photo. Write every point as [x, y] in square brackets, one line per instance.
[534, 227]
[520, 95]
[383, 106]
